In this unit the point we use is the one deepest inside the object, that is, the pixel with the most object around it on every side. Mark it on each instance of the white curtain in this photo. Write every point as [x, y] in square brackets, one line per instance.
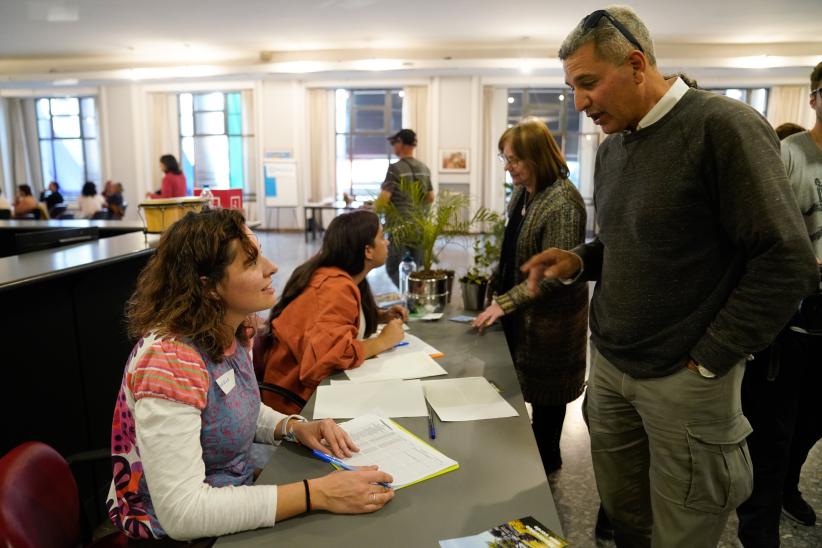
[164, 123]
[790, 104]
[415, 116]
[19, 147]
[494, 117]
[321, 153]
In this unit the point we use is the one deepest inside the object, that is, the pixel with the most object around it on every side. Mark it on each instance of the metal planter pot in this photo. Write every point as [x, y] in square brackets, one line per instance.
[473, 295]
[427, 292]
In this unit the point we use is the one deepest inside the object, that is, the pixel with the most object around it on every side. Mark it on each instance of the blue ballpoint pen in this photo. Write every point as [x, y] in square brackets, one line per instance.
[404, 343]
[432, 432]
[337, 462]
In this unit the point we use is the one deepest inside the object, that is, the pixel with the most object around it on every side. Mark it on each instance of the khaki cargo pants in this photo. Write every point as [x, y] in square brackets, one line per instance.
[669, 454]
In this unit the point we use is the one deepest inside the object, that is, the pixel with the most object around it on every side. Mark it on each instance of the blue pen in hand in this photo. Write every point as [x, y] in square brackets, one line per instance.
[337, 462]
[404, 343]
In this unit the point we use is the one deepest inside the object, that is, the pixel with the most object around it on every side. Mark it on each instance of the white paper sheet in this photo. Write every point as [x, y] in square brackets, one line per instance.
[415, 344]
[386, 398]
[401, 365]
[466, 399]
[407, 458]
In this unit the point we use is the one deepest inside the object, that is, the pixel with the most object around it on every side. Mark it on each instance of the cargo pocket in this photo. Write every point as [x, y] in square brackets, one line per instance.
[721, 473]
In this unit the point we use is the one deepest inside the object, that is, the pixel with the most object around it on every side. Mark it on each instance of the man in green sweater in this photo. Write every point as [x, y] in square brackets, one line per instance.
[701, 258]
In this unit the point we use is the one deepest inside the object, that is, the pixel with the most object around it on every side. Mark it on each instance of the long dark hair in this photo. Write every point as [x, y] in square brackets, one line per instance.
[172, 299]
[343, 247]
[170, 163]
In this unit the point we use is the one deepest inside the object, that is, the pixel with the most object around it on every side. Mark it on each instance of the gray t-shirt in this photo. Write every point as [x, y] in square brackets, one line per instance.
[803, 162]
[405, 170]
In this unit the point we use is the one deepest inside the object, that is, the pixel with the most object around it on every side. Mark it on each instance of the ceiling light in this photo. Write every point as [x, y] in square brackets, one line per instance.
[377, 64]
[66, 82]
[510, 100]
[561, 97]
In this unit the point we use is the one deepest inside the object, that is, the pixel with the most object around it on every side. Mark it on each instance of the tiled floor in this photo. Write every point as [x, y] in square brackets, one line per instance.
[573, 486]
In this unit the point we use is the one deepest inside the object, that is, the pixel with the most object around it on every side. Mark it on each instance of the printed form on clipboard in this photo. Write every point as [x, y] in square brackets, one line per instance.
[395, 450]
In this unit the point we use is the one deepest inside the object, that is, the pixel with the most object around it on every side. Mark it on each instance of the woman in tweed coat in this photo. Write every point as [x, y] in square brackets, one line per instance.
[546, 334]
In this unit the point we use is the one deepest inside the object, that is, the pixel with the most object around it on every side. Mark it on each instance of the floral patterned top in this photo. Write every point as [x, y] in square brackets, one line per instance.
[183, 428]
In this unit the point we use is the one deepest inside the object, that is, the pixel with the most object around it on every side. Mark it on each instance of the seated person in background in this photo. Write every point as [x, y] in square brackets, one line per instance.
[90, 202]
[327, 313]
[787, 129]
[24, 202]
[52, 196]
[189, 406]
[114, 202]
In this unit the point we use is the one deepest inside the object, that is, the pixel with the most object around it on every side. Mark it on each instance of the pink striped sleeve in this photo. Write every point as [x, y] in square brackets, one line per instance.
[173, 371]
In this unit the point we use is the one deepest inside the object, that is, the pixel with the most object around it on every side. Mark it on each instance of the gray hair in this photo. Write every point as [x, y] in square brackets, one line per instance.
[609, 43]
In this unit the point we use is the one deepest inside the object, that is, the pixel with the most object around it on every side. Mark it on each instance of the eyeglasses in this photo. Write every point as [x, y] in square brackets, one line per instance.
[591, 21]
[505, 160]
[815, 91]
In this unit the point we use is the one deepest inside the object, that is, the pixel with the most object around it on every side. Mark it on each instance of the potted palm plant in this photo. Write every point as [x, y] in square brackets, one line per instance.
[487, 248]
[427, 227]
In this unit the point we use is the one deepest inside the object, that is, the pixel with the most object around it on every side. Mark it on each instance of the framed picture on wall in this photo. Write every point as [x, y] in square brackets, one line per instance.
[453, 160]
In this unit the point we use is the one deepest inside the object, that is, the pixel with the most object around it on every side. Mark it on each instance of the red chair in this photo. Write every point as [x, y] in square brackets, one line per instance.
[39, 502]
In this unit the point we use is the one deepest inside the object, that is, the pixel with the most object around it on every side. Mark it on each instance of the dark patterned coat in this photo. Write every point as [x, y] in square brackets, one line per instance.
[549, 331]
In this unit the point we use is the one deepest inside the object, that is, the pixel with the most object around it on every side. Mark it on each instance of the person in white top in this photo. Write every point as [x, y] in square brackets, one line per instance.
[90, 202]
[189, 406]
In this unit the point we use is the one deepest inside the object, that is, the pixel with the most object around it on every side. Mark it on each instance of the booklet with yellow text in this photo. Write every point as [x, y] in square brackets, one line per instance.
[517, 533]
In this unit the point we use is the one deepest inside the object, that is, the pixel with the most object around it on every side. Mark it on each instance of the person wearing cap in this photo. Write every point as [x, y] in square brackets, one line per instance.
[700, 259]
[407, 169]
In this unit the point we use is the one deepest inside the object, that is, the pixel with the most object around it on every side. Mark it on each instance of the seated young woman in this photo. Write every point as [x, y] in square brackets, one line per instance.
[325, 318]
[189, 407]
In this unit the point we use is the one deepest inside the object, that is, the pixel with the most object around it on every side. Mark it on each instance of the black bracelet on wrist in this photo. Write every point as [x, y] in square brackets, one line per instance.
[307, 496]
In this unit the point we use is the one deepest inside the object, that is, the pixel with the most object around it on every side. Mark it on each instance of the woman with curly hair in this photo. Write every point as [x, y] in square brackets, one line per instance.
[189, 407]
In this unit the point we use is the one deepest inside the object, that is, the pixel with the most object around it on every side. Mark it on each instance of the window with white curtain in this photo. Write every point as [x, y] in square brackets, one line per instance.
[756, 97]
[69, 147]
[555, 107]
[216, 140]
[364, 119]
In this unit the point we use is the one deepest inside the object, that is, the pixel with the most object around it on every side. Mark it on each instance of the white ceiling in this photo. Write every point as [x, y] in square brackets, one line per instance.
[42, 39]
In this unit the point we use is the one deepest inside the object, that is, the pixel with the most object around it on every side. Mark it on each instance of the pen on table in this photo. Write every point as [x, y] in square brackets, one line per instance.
[432, 432]
[337, 462]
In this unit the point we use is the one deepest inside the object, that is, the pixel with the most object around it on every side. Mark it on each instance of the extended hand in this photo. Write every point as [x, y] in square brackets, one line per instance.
[488, 317]
[551, 263]
[323, 435]
[345, 492]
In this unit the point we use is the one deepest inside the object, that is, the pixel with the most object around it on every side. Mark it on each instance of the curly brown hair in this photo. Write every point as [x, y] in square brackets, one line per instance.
[176, 293]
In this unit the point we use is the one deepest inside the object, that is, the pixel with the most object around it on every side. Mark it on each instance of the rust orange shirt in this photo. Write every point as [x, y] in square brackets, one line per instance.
[314, 337]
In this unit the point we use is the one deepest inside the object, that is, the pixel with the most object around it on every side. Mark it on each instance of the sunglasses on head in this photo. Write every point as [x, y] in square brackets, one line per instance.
[591, 21]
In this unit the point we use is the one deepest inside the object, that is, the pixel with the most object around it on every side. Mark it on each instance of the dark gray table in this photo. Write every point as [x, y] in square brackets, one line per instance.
[500, 475]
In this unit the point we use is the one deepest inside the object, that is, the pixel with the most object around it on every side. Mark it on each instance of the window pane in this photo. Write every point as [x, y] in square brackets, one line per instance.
[209, 123]
[368, 170]
[341, 97]
[187, 125]
[187, 161]
[44, 129]
[68, 155]
[759, 100]
[87, 106]
[233, 103]
[396, 120]
[396, 100]
[235, 124]
[366, 146]
[369, 120]
[89, 126]
[209, 101]
[65, 106]
[66, 126]
[369, 97]
[92, 160]
[43, 108]
[211, 161]
[343, 164]
[186, 105]
[235, 162]
[47, 161]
